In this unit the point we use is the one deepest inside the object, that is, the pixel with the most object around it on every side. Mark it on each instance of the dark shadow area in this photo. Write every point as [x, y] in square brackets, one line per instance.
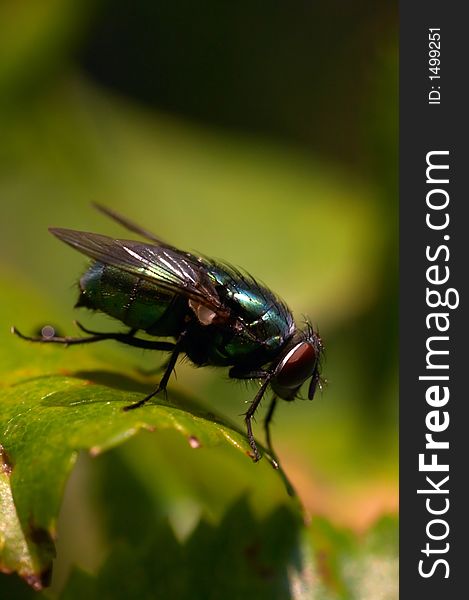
[114, 380]
[242, 556]
[302, 71]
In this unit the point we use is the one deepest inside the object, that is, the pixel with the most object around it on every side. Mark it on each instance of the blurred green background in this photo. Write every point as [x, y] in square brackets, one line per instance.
[263, 134]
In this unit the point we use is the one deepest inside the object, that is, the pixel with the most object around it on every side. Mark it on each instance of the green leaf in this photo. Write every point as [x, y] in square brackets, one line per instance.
[242, 556]
[45, 421]
[13, 547]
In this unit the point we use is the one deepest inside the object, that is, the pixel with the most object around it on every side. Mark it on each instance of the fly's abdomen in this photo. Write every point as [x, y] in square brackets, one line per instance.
[132, 300]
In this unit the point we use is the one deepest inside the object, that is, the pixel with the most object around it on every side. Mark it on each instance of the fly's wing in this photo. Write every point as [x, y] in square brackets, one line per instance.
[167, 268]
[130, 225]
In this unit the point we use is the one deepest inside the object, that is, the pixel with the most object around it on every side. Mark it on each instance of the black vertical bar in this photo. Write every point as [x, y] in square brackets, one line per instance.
[425, 127]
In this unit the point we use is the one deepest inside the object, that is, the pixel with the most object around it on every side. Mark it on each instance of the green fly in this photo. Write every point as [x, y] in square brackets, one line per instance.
[212, 312]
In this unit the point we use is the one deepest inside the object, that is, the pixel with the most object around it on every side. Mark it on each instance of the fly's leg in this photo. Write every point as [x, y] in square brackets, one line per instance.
[316, 382]
[267, 421]
[130, 340]
[130, 333]
[124, 338]
[66, 340]
[249, 415]
[240, 373]
[176, 350]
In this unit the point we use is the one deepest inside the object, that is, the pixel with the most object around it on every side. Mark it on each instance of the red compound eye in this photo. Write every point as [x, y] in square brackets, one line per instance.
[297, 366]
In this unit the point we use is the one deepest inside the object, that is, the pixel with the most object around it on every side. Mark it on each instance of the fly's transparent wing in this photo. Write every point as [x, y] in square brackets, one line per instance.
[167, 268]
[130, 225]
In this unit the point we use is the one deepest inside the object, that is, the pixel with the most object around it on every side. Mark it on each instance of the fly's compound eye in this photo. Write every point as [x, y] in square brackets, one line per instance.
[297, 366]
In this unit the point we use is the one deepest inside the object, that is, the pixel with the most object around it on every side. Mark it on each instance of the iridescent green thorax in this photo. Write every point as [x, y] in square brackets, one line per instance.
[268, 323]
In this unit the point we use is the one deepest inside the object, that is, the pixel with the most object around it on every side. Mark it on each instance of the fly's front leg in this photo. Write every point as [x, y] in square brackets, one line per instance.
[237, 373]
[176, 351]
[267, 421]
[250, 414]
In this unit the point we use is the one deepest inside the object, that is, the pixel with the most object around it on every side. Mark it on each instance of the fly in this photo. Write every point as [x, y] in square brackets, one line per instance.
[213, 313]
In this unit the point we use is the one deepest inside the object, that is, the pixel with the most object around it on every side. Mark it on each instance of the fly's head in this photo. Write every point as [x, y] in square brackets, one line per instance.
[299, 361]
